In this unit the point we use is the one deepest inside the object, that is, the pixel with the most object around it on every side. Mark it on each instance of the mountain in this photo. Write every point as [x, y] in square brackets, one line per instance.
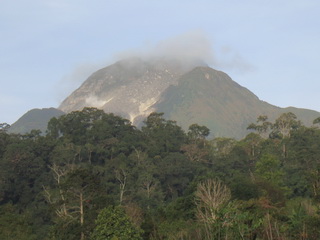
[128, 88]
[188, 92]
[211, 98]
[192, 93]
[34, 119]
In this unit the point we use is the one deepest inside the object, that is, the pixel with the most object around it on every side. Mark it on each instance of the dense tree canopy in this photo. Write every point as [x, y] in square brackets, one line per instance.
[95, 176]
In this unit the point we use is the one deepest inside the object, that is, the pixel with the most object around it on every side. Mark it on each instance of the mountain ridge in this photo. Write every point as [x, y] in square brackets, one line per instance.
[34, 119]
[118, 87]
[133, 88]
[231, 101]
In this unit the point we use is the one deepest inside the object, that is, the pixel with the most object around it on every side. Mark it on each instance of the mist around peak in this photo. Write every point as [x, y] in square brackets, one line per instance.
[180, 53]
[189, 49]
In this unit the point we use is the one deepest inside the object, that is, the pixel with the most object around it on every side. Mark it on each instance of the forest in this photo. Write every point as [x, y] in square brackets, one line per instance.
[95, 176]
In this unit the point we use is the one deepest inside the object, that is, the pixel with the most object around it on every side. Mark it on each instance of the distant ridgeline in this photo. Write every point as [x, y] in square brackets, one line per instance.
[35, 119]
[193, 93]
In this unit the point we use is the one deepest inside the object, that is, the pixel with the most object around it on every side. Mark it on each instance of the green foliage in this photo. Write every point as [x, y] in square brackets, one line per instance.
[198, 132]
[268, 168]
[285, 124]
[163, 136]
[91, 161]
[243, 188]
[113, 223]
[316, 121]
[22, 167]
[14, 225]
[262, 126]
[76, 201]
[65, 230]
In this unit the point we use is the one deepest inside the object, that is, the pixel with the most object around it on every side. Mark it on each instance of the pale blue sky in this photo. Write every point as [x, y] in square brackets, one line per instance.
[48, 47]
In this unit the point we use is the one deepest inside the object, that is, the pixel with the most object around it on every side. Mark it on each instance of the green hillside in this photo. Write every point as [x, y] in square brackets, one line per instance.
[35, 119]
[213, 99]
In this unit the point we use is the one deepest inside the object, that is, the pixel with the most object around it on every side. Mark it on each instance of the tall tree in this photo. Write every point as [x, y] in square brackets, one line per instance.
[197, 132]
[76, 193]
[262, 126]
[113, 223]
[211, 197]
[163, 135]
[285, 124]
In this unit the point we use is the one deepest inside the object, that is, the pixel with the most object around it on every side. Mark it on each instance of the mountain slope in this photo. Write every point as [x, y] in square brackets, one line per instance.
[193, 93]
[211, 98]
[35, 119]
[129, 87]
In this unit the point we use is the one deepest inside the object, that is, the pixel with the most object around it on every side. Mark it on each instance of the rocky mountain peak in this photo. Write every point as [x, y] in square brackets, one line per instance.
[129, 87]
[186, 91]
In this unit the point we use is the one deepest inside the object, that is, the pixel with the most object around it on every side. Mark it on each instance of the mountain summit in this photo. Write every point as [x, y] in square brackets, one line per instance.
[129, 88]
[188, 93]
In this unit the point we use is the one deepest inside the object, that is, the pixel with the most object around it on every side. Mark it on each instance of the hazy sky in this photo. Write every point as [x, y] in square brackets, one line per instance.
[49, 47]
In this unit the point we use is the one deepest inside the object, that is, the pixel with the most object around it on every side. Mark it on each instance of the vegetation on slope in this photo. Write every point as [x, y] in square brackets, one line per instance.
[95, 176]
[35, 119]
[211, 98]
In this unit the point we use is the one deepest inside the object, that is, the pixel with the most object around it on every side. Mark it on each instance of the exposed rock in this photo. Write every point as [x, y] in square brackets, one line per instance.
[129, 88]
[189, 94]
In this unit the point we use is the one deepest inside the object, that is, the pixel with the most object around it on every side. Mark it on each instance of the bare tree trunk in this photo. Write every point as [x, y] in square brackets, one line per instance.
[60, 172]
[81, 215]
[210, 196]
[284, 150]
[121, 176]
[90, 156]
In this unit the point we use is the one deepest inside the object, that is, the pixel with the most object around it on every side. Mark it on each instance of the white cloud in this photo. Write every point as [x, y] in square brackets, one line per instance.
[231, 60]
[192, 47]
[73, 80]
[93, 101]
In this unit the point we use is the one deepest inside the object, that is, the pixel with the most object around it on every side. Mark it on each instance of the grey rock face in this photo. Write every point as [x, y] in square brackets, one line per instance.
[129, 88]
